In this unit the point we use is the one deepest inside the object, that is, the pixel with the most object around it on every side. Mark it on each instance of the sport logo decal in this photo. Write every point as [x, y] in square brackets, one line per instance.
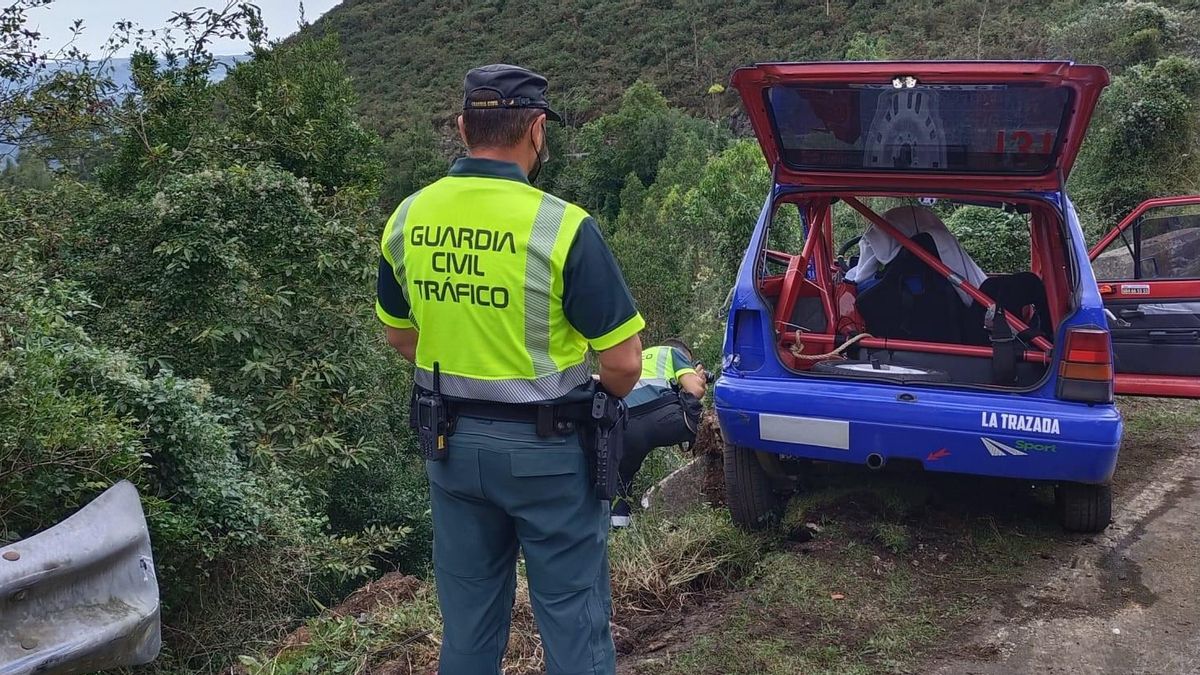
[1036, 447]
[997, 449]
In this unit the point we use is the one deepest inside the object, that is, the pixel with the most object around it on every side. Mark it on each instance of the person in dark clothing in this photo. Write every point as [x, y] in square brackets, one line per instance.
[664, 410]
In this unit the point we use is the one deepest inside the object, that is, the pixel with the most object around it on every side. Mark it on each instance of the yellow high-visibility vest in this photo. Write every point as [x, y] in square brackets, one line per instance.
[480, 261]
[659, 368]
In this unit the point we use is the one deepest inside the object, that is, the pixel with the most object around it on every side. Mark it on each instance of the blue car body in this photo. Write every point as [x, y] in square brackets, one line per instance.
[1031, 434]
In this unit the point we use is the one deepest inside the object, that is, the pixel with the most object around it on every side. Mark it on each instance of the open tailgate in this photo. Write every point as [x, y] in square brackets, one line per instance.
[1003, 125]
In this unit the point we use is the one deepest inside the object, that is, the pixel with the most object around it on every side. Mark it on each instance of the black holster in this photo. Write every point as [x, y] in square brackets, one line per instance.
[603, 440]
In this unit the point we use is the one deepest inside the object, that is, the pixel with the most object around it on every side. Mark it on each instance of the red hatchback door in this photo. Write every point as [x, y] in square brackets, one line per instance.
[979, 126]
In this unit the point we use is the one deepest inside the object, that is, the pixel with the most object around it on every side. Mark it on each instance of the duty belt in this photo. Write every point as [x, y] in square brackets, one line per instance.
[550, 419]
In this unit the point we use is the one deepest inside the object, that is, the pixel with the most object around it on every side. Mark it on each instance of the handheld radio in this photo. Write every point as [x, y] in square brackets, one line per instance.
[433, 420]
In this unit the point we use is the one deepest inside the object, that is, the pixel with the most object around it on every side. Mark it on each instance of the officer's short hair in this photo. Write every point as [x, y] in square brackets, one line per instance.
[677, 343]
[496, 127]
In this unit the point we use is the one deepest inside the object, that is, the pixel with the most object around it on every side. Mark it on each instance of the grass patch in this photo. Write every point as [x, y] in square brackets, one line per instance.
[893, 536]
[660, 564]
[402, 634]
[1155, 429]
[659, 464]
[657, 566]
[801, 614]
[896, 563]
[1146, 419]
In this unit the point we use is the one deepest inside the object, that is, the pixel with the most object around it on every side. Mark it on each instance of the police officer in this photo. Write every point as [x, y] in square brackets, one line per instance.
[502, 289]
[664, 410]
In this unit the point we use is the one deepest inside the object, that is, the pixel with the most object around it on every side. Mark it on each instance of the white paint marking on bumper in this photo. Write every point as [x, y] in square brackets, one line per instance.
[807, 430]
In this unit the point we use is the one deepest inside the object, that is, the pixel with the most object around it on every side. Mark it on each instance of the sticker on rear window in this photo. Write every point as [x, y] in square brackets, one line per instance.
[1135, 289]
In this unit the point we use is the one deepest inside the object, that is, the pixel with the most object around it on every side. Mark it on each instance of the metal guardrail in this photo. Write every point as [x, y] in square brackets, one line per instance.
[81, 596]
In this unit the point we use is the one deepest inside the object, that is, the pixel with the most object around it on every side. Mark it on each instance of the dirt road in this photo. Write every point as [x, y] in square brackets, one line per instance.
[1127, 603]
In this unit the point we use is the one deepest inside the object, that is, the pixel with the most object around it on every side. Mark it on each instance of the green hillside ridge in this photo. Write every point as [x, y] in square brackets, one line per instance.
[408, 57]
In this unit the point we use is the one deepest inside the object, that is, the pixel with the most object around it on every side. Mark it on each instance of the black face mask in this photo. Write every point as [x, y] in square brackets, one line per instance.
[543, 156]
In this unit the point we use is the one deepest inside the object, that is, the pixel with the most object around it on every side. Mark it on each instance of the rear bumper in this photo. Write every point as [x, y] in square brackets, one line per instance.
[981, 433]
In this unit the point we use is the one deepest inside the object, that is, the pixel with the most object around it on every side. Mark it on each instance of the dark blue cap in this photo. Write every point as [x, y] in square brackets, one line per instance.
[514, 87]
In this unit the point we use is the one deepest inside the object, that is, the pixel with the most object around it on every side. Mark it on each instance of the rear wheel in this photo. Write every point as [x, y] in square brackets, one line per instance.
[748, 489]
[1083, 507]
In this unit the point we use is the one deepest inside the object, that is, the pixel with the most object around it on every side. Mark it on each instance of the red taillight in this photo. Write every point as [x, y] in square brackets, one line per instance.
[1086, 370]
[1088, 345]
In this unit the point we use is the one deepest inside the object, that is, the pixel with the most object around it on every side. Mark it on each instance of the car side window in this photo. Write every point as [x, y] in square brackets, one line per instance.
[784, 235]
[1163, 244]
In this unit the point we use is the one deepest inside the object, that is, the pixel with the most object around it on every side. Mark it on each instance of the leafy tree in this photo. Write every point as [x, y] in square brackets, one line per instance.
[1124, 34]
[414, 159]
[633, 140]
[722, 210]
[31, 172]
[996, 240]
[1133, 151]
[863, 47]
[293, 105]
[166, 120]
[681, 240]
[652, 243]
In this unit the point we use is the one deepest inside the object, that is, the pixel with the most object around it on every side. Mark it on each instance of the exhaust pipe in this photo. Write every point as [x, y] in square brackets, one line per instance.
[875, 461]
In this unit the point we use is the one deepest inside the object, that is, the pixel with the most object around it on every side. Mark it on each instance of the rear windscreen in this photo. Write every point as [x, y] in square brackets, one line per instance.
[995, 129]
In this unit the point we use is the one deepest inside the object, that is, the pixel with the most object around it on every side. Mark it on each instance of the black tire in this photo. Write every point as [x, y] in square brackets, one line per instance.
[1083, 507]
[748, 491]
[866, 370]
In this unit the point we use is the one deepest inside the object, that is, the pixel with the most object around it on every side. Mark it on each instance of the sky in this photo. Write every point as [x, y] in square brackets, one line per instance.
[54, 22]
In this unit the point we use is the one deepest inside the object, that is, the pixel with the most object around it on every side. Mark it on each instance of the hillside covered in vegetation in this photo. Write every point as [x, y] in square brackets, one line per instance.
[407, 58]
[186, 291]
[644, 89]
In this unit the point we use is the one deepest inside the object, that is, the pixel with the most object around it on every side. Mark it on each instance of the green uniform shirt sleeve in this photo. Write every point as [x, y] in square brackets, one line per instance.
[390, 305]
[681, 365]
[596, 300]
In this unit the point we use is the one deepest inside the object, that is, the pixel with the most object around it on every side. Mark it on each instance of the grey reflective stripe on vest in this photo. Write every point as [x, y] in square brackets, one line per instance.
[662, 379]
[545, 388]
[538, 280]
[395, 245]
[652, 382]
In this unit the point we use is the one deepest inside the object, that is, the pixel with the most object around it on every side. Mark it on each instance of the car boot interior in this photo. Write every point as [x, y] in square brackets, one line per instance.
[906, 320]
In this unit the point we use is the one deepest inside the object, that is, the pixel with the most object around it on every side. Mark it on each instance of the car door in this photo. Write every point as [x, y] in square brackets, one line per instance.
[1148, 270]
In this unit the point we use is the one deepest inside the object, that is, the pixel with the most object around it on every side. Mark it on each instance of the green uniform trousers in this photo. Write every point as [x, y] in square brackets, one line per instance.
[501, 487]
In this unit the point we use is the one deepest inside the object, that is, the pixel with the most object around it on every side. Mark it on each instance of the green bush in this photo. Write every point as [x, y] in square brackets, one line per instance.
[1139, 142]
[294, 106]
[998, 241]
[232, 368]
[58, 445]
[1123, 34]
[76, 417]
[235, 277]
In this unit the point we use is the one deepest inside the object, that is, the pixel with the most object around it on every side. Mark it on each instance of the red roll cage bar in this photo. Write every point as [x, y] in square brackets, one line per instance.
[939, 267]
